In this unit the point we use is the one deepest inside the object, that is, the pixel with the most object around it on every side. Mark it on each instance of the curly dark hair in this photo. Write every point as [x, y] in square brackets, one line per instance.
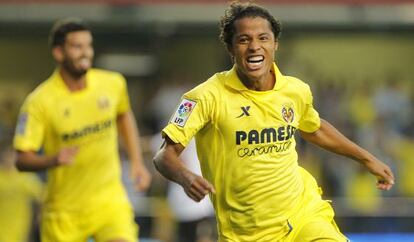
[238, 10]
[64, 26]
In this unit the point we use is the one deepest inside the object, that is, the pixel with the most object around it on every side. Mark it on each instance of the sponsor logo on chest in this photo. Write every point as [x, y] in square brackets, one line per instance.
[258, 141]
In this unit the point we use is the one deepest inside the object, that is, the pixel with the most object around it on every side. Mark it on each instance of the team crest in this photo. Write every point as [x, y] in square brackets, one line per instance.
[183, 112]
[103, 103]
[288, 114]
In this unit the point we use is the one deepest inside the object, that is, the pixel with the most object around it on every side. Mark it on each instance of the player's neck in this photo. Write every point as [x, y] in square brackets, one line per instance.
[264, 83]
[73, 82]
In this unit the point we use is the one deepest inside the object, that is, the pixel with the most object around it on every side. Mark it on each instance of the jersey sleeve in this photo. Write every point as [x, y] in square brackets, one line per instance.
[192, 114]
[30, 128]
[123, 104]
[310, 121]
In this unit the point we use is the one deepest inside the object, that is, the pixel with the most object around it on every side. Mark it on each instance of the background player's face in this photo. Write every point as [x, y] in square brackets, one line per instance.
[253, 48]
[77, 52]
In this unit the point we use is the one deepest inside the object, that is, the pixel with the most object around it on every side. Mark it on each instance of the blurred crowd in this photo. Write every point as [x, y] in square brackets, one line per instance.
[378, 115]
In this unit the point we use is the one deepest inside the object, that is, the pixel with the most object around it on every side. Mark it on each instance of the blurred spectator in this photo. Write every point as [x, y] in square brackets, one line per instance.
[403, 150]
[196, 222]
[361, 107]
[165, 100]
[393, 105]
[362, 197]
[378, 138]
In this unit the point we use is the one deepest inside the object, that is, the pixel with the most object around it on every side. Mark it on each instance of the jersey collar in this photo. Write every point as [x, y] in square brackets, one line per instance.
[233, 81]
[57, 79]
[60, 84]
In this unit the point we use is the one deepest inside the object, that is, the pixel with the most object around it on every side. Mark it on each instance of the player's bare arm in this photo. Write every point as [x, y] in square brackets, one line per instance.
[329, 138]
[32, 161]
[130, 137]
[169, 164]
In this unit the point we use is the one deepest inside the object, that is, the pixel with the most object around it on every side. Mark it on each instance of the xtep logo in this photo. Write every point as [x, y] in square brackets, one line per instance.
[245, 111]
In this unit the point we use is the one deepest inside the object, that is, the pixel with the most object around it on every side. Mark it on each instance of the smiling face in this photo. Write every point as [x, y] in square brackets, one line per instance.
[253, 48]
[76, 54]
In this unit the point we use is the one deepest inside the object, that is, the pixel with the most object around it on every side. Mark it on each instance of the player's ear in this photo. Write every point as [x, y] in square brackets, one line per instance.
[276, 44]
[57, 53]
[231, 53]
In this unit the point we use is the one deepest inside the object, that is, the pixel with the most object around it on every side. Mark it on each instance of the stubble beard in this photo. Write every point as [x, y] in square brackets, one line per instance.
[70, 68]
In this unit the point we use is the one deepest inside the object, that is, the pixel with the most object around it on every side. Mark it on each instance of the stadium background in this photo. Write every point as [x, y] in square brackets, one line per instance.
[357, 55]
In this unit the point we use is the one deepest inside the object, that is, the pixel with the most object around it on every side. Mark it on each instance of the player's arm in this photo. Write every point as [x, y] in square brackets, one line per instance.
[32, 161]
[169, 164]
[329, 138]
[130, 136]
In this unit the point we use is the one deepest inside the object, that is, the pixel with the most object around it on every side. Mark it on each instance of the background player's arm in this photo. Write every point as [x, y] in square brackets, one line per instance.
[32, 161]
[169, 164]
[130, 136]
[329, 138]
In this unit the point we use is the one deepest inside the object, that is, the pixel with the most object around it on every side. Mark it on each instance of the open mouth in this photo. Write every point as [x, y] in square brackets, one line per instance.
[254, 62]
[85, 63]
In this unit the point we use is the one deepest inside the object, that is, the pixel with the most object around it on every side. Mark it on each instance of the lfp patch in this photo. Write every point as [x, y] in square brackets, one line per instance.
[183, 112]
[21, 123]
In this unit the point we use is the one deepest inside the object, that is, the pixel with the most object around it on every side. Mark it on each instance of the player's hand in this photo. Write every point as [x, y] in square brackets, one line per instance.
[197, 187]
[66, 155]
[385, 177]
[141, 178]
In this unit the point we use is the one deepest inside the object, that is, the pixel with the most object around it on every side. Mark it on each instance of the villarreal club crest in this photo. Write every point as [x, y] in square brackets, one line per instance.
[288, 114]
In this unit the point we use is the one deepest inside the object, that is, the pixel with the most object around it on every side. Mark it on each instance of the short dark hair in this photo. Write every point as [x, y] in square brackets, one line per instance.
[238, 10]
[64, 26]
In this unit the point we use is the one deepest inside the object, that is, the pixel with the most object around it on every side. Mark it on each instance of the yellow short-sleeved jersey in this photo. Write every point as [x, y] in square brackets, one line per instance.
[246, 147]
[18, 192]
[52, 117]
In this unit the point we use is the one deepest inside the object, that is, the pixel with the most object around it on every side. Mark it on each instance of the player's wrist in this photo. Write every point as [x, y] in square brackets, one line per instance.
[53, 161]
[187, 178]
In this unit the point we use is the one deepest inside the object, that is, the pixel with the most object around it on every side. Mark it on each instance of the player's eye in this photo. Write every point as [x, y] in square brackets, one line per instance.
[243, 40]
[264, 38]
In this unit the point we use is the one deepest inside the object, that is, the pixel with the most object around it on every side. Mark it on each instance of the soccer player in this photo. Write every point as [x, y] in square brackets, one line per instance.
[244, 121]
[68, 126]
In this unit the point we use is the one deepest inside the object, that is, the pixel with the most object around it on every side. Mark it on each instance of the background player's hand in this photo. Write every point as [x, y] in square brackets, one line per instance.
[66, 155]
[197, 187]
[385, 177]
[141, 178]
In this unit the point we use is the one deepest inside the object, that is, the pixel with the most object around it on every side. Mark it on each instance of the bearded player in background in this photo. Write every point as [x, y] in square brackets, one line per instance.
[69, 126]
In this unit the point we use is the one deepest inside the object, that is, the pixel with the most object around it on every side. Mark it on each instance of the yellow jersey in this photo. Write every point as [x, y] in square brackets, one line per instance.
[18, 192]
[246, 147]
[52, 117]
